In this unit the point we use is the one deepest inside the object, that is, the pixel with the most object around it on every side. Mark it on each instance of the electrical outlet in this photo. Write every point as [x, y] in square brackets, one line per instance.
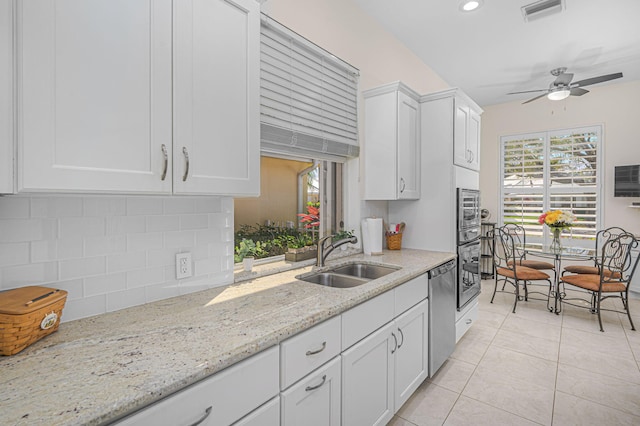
[183, 265]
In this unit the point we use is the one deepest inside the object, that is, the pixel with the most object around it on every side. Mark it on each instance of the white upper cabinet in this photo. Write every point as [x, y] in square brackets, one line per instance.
[216, 97]
[112, 92]
[466, 133]
[392, 143]
[6, 96]
[94, 95]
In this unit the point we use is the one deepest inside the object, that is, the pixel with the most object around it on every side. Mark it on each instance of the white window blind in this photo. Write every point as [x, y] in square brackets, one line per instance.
[558, 170]
[308, 97]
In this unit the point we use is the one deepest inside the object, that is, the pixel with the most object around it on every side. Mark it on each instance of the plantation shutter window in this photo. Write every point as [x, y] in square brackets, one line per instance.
[556, 170]
[308, 97]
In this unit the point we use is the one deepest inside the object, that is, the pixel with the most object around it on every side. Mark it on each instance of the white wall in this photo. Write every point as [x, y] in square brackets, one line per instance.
[113, 252]
[614, 106]
[342, 28]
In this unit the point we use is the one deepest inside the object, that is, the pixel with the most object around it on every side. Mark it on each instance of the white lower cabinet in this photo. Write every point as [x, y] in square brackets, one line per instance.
[465, 319]
[267, 415]
[411, 364]
[381, 372]
[367, 380]
[219, 400]
[357, 368]
[314, 400]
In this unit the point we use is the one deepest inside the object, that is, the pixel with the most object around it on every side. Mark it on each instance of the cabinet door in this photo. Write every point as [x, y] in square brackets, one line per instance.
[473, 140]
[411, 357]
[6, 96]
[408, 148]
[315, 400]
[460, 151]
[95, 95]
[267, 415]
[216, 97]
[367, 380]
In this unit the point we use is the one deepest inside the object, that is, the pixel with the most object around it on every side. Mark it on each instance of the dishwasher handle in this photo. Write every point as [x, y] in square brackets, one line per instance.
[442, 269]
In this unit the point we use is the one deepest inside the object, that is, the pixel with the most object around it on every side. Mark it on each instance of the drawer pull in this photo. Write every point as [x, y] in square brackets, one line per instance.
[165, 156]
[324, 345]
[186, 157]
[204, 417]
[310, 388]
[469, 321]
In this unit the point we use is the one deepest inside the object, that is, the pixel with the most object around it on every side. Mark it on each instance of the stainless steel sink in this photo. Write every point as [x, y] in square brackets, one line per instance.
[333, 280]
[364, 270]
[350, 275]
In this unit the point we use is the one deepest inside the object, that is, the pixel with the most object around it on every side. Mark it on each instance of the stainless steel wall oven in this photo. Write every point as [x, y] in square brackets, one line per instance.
[468, 242]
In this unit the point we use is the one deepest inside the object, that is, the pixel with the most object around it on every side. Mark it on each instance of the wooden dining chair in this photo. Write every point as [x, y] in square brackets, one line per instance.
[602, 237]
[520, 239]
[510, 271]
[616, 269]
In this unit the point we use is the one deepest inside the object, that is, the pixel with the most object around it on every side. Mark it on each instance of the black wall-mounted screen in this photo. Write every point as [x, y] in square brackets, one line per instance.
[627, 181]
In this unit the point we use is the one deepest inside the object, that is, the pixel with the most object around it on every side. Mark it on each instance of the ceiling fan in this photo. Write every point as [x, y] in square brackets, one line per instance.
[562, 86]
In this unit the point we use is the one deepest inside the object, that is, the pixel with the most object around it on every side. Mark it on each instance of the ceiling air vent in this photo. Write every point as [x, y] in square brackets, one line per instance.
[542, 8]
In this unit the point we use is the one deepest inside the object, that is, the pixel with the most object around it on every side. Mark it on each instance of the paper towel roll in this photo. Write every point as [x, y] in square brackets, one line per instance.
[372, 235]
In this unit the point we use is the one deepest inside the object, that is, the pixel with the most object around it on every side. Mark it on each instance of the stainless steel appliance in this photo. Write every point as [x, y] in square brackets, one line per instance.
[442, 314]
[468, 239]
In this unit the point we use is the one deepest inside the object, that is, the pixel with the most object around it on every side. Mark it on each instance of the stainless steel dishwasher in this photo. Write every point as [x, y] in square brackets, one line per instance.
[442, 314]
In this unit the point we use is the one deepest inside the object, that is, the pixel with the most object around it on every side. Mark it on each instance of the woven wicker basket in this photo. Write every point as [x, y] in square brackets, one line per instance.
[24, 320]
[394, 241]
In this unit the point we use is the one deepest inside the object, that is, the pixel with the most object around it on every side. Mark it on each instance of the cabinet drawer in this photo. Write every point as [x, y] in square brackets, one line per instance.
[315, 400]
[307, 351]
[226, 396]
[267, 415]
[364, 319]
[410, 293]
[466, 320]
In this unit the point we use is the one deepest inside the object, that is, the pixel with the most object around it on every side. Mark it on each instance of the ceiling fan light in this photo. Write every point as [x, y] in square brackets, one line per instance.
[558, 95]
[469, 5]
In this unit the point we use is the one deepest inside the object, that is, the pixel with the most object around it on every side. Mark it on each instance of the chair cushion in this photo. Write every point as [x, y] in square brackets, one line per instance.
[593, 270]
[592, 282]
[523, 273]
[582, 269]
[533, 264]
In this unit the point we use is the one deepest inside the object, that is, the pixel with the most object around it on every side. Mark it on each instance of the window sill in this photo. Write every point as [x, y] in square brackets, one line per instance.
[277, 264]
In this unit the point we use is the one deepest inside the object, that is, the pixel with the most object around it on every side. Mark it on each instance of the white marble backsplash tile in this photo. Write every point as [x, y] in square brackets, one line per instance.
[113, 252]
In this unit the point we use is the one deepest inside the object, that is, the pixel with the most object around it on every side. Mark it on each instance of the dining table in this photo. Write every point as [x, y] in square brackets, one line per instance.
[558, 254]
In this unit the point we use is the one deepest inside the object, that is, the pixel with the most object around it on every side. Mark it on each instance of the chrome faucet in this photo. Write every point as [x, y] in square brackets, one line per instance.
[323, 251]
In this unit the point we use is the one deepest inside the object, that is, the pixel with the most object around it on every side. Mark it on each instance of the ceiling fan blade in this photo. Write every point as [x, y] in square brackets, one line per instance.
[533, 99]
[563, 79]
[527, 91]
[596, 80]
[577, 91]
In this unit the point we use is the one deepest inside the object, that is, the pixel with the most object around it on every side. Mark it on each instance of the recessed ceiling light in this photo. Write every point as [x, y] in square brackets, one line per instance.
[469, 5]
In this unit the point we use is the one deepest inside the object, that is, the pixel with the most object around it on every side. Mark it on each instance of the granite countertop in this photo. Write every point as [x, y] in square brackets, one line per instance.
[97, 369]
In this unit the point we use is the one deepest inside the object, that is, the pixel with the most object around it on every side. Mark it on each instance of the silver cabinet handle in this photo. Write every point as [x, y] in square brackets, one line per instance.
[166, 162]
[396, 344]
[401, 335]
[317, 351]
[186, 157]
[469, 321]
[404, 185]
[203, 418]
[310, 388]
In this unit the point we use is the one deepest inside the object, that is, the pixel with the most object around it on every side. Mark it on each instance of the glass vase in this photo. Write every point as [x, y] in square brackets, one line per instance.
[555, 242]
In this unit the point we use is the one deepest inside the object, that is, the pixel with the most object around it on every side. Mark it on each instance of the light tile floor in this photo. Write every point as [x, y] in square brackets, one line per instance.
[535, 368]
